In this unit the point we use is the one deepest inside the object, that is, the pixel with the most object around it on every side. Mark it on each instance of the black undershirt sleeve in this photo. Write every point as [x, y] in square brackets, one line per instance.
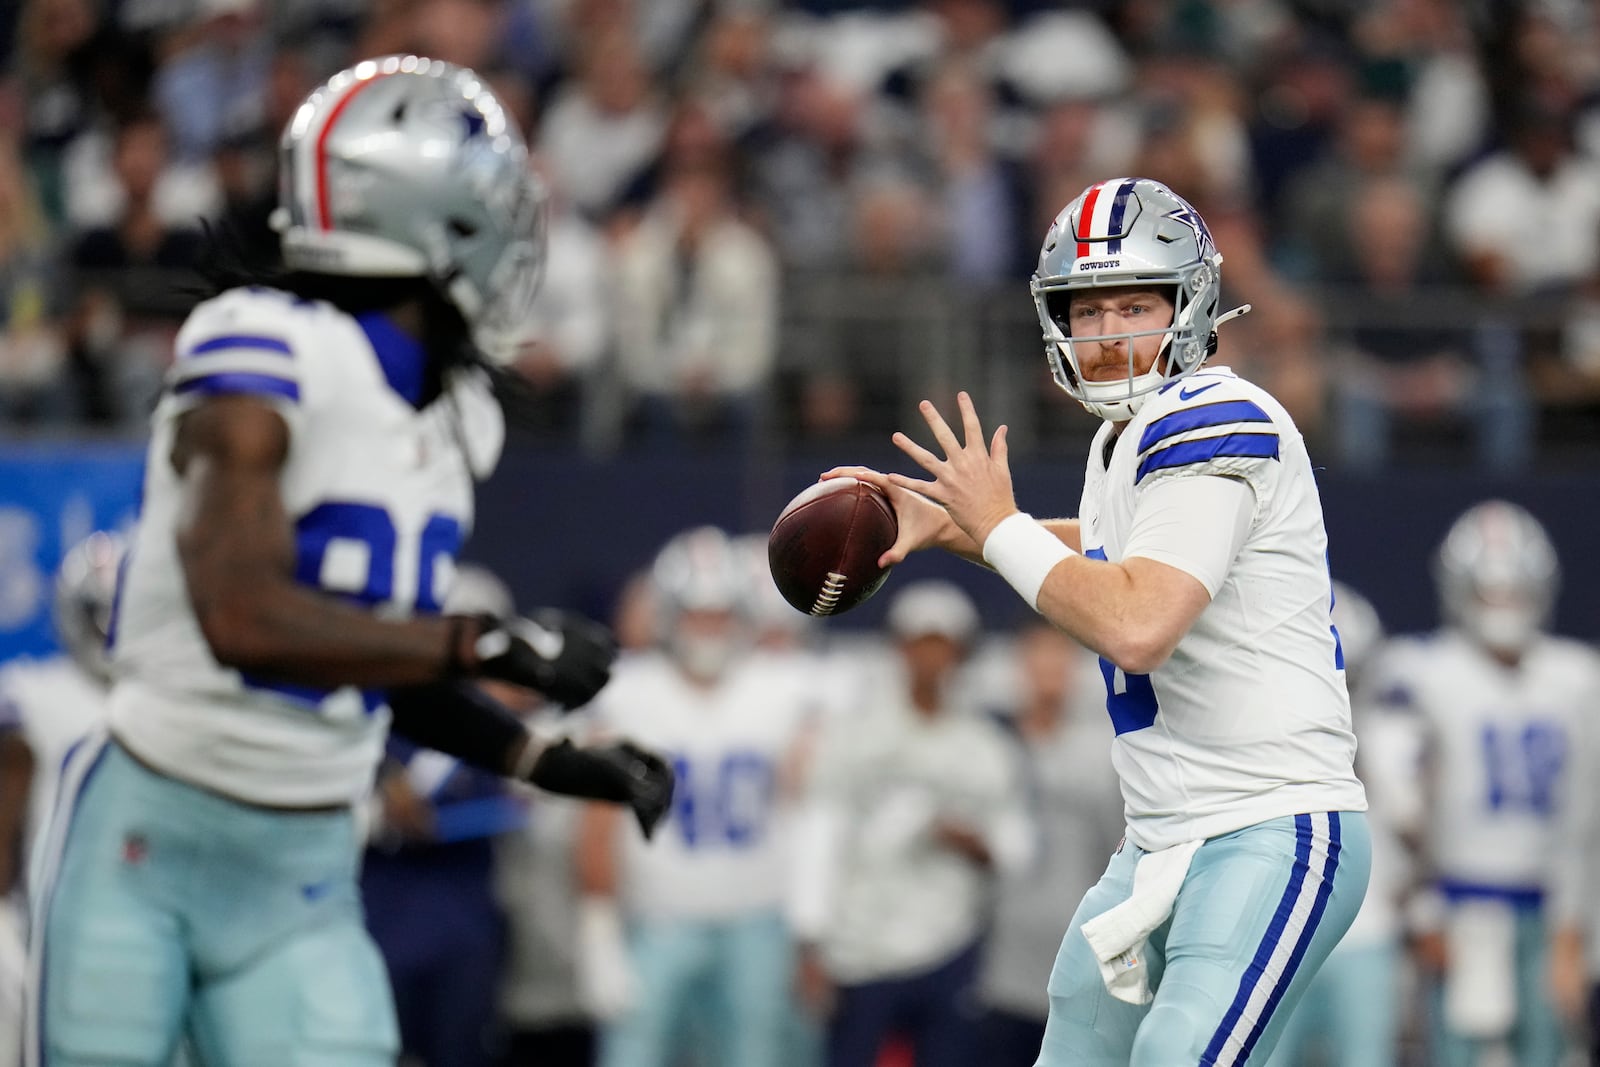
[456, 718]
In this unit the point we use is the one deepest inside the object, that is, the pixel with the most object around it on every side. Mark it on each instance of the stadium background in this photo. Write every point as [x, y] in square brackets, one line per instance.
[1408, 191]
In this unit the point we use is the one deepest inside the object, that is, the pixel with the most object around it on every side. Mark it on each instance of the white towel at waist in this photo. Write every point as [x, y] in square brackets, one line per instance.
[1117, 937]
[1480, 988]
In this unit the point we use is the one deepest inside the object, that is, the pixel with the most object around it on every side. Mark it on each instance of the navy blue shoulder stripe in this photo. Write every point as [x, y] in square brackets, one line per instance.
[1247, 445]
[239, 382]
[253, 342]
[1199, 417]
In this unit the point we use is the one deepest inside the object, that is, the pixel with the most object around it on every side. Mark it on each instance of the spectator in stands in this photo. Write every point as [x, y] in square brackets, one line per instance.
[129, 280]
[1396, 361]
[54, 70]
[734, 72]
[1371, 144]
[1526, 219]
[569, 330]
[31, 343]
[214, 76]
[603, 128]
[1059, 717]
[696, 314]
[916, 805]
[805, 175]
[979, 204]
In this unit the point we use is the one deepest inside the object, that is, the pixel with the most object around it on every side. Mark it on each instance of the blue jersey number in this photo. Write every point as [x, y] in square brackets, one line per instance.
[1523, 765]
[373, 529]
[1130, 698]
[725, 803]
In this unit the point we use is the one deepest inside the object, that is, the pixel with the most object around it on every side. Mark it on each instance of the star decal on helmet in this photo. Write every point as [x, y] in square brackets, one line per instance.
[1191, 218]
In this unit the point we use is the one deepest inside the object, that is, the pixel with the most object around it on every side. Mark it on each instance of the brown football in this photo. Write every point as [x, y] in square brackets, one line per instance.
[824, 548]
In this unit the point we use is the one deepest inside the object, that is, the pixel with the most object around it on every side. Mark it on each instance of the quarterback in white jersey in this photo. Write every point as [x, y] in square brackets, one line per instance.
[1198, 571]
[309, 482]
[708, 961]
[1500, 710]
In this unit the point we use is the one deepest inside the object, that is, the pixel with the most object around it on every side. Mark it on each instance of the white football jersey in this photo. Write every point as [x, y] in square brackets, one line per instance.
[721, 853]
[1249, 719]
[381, 497]
[1498, 741]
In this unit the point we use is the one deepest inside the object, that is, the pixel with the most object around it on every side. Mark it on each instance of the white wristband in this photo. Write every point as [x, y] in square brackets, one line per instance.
[1024, 553]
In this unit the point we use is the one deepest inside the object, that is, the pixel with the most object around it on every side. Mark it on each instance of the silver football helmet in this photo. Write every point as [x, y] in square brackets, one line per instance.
[85, 598]
[1498, 575]
[410, 167]
[698, 575]
[1130, 231]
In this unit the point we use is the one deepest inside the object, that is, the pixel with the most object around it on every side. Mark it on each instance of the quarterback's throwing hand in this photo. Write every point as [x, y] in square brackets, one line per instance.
[972, 481]
[566, 657]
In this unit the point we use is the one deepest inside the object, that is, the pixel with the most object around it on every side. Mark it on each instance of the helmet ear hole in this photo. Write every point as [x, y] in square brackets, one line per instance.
[463, 228]
[1059, 304]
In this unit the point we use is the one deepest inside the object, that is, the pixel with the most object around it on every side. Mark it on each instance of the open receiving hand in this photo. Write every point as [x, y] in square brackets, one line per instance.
[973, 480]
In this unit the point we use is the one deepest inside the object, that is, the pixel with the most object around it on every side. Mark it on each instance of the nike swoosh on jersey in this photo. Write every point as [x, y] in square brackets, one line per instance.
[1185, 394]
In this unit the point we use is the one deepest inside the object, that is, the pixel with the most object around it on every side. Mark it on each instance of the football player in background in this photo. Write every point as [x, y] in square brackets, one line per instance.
[16, 775]
[427, 877]
[914, 808]
[1498, 706]
[706, 962]
[1352, 1009]
[310, 478]
[1198, 571]
[46, 706]
[1076, 810]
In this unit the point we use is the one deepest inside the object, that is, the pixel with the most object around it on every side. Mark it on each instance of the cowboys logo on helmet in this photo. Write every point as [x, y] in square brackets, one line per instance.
[1130, 231]
[410, 167]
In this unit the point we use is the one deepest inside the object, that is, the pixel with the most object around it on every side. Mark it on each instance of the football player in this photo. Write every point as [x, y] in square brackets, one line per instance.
[1354, 1005]
[46, 706]
[708, 957]
[1197, 570]
[1498, 706]
[309, 481]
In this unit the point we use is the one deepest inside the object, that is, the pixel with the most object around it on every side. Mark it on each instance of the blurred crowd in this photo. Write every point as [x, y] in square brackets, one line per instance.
[783, 222]
[877, 838]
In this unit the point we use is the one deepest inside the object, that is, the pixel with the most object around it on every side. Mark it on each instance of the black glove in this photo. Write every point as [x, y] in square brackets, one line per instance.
[621, 772]
[566, 657]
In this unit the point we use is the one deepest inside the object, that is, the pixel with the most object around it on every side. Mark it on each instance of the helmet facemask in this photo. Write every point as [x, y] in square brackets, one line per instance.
[703, 603]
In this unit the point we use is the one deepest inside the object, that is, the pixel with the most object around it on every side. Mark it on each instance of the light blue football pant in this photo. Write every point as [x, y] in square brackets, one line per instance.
[165, 909]
[1537, 1038]
[718, 989]
[1351, 1010]
[1258, 912]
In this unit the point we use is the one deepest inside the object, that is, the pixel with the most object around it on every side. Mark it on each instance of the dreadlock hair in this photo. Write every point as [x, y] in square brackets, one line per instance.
[230, 260]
